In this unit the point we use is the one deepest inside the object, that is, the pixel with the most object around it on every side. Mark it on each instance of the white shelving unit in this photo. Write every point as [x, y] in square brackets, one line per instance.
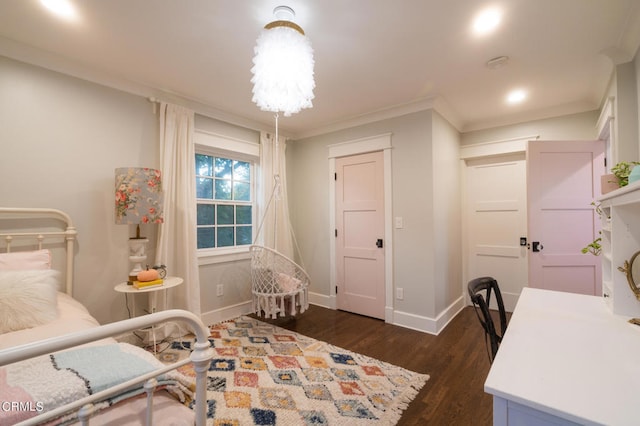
[620, 240]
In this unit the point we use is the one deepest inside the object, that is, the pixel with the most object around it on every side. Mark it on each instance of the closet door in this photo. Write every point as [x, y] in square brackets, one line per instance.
[496, 212]
[360, 268]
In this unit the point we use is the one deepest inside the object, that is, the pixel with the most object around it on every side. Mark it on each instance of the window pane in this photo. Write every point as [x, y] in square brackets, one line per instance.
[243, 235]
[241, 170]
[225, 215]
[223, 189]
[241, 191]
[225, 236]
[205, 214]
[204, 188]
[206, 238]
[204, 165]
[243, 215]
[223, 168]
[224, 205]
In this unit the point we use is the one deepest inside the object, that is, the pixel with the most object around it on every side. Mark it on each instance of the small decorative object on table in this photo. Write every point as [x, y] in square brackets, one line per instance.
[162, 270]
[148, 278]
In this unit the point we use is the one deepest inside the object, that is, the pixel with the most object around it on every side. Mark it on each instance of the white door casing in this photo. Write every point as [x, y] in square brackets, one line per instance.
[359, 146]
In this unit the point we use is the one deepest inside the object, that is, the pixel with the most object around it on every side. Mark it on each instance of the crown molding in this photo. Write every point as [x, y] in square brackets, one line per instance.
[40, 58]
[436, 103]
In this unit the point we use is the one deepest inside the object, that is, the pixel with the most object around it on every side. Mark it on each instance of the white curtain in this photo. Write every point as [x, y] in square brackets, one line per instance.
[276, 231]
[177, 246]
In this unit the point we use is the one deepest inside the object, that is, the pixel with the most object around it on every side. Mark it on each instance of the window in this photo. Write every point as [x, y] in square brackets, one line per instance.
[224, 191]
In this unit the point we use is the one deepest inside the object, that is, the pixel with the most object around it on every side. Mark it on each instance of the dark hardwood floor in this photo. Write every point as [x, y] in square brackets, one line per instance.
[456, 360]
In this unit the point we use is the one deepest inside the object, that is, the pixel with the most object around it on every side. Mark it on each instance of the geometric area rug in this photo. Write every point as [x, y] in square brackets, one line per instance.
[262, 374]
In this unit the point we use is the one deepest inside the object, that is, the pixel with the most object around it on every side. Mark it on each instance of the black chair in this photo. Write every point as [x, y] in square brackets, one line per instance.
[480, 290]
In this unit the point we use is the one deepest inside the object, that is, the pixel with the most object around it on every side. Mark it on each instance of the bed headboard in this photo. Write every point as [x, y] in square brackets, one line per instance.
[24, 229]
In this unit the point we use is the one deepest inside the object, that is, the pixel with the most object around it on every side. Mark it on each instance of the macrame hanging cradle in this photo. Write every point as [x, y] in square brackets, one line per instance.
[278, 284]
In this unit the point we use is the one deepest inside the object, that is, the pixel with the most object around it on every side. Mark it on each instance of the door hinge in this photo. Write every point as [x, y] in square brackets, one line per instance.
[335, 176]
[336, 289]
[336, 233]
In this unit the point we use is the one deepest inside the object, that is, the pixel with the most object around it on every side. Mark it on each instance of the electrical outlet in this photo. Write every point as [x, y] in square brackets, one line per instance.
[400, 293]
[219, 290]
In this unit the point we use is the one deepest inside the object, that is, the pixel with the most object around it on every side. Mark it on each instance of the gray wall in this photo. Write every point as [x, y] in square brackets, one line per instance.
[234, 276]
[569, 127]
[425, 181]
[61, 139]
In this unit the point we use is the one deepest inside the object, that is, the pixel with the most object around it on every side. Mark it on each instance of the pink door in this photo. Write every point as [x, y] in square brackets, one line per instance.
[359, 234]
[563, 181]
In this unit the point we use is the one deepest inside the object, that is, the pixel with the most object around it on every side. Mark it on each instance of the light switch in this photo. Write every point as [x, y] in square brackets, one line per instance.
[399, 223]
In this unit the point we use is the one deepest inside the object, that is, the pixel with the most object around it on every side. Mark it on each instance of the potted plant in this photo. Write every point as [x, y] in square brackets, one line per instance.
[622, 170]
[618, 177]
[595, 248]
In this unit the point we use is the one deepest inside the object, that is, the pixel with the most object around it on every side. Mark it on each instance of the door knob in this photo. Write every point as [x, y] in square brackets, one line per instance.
[536, 246]
[379, 243]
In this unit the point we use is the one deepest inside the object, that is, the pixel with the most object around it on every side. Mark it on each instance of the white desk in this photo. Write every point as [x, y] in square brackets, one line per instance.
[566, 359]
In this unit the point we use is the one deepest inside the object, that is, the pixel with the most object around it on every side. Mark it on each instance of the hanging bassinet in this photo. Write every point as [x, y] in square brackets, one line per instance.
[279, 285]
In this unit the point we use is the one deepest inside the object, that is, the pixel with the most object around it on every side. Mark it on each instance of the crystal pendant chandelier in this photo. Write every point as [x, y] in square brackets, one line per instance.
[283, 66]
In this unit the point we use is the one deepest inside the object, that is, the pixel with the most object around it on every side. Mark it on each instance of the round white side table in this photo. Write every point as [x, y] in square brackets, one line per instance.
[152, 292]
[168, 283]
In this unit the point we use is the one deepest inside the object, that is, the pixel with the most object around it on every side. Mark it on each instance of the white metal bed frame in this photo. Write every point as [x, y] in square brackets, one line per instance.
[68, 233]
[200, 356]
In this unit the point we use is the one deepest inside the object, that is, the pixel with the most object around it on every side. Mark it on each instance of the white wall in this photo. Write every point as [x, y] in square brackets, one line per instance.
[636, 66]
[626, 113]
[624, 88]
[61, 139]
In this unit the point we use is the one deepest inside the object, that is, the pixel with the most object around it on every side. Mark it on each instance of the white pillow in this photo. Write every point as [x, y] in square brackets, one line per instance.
[27, 298]
[288, 283]
[37, 259]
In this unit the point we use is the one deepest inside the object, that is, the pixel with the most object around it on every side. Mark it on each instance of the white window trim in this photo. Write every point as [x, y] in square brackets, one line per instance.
[214, 144]
[224, 144]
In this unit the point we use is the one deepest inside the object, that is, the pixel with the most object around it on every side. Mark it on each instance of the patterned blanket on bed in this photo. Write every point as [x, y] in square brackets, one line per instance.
[41, 384]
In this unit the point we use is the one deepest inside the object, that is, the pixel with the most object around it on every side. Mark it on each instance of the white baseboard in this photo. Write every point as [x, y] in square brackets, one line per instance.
[399, 318]
[227, 313]
[322, 300]
[426, 324]
[510, 300]
[403, 319]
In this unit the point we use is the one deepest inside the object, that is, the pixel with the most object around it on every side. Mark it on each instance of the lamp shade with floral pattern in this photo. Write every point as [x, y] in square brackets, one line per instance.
[138, 196]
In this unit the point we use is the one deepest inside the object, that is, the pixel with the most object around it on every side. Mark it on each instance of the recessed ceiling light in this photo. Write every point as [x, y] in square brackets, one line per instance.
[516, 96]
[61, 8]
[487, 21]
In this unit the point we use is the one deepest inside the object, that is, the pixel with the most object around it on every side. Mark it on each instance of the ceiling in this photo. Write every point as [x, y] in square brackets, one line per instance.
[373, 58]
